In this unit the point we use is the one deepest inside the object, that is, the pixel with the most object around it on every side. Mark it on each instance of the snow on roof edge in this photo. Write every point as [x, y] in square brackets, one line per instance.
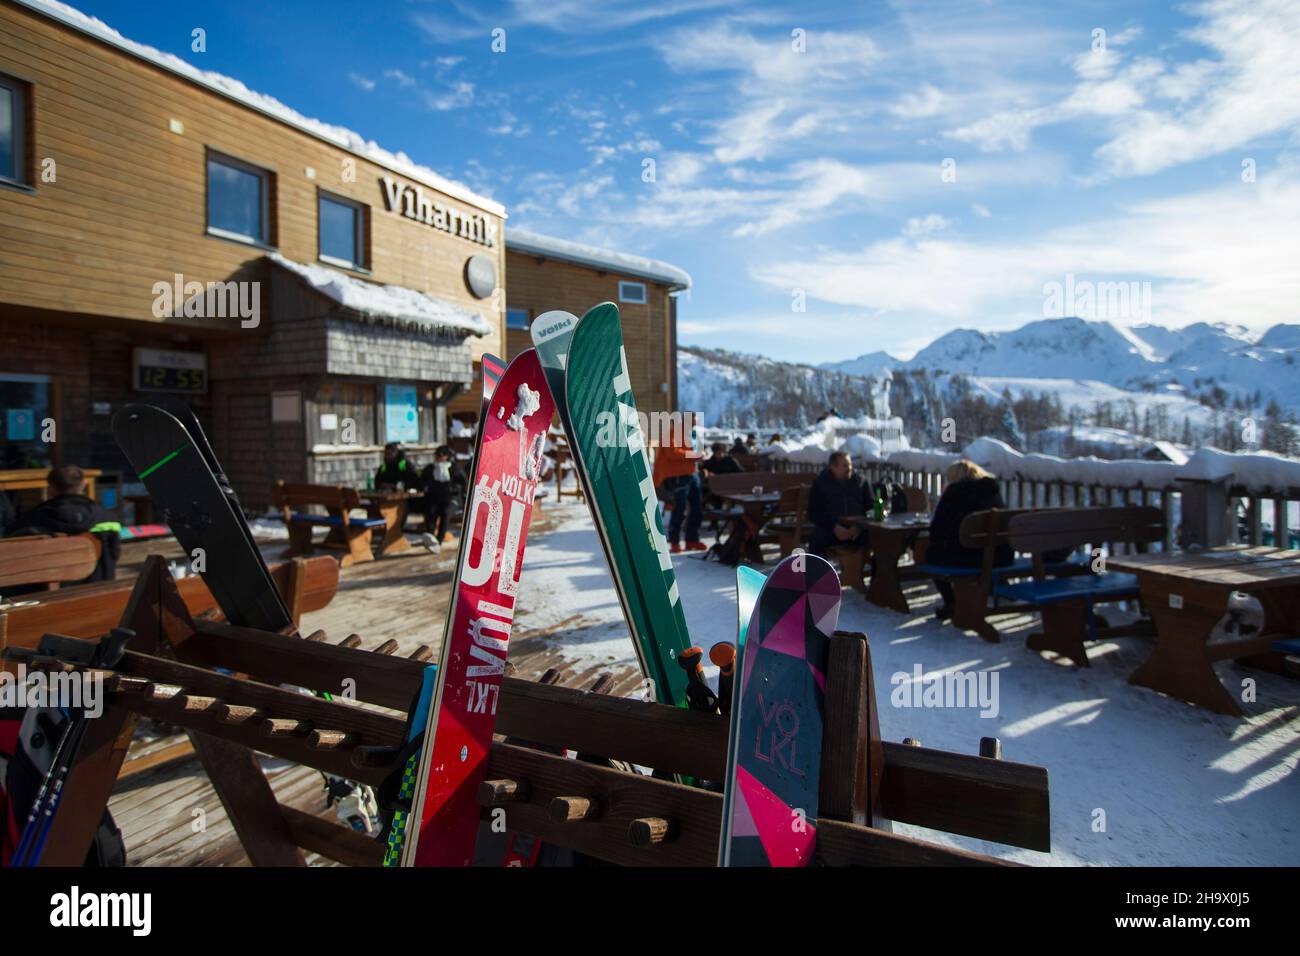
[522, 240]
[235, 90]
[375, 299]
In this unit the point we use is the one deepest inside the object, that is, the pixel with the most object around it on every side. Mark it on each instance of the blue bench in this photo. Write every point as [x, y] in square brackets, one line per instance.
[1019, 568]
[1066, 604]
[335, 521]
[984, 532]
[348, 534]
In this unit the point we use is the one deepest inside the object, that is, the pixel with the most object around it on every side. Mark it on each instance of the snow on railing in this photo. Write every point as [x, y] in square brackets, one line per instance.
[1037, 480]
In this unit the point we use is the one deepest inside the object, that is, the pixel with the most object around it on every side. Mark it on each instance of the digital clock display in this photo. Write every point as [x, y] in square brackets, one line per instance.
[159, 370]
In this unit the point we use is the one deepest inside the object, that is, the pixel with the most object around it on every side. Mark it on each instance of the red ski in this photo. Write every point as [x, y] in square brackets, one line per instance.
[458, 738]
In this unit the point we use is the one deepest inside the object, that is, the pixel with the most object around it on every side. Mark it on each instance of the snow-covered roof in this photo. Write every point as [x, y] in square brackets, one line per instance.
[235, 90]
[394, 304]
[521, 240]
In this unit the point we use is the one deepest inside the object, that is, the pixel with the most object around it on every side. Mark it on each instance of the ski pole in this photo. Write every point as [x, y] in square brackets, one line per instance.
[699, 695]
[724, 656]
[43, 793]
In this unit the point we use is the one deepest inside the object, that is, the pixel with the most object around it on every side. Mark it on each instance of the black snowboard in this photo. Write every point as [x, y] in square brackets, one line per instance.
[172, 457]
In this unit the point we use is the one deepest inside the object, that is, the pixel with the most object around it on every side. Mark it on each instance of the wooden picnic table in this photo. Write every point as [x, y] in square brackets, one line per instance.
[37, 479]
[1187, 594]
[753, 505]
[889, 538]
[393, 506]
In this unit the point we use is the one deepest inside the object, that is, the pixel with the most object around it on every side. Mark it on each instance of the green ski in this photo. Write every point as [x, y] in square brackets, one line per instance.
[586, 369]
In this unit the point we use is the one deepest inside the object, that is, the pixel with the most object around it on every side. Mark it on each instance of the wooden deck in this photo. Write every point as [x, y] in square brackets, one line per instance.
[168, 812]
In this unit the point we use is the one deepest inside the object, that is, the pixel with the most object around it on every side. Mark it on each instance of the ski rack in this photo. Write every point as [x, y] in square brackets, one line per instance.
[169, 674]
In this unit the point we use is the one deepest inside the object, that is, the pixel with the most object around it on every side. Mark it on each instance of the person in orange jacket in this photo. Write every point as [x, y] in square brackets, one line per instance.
[675, 471]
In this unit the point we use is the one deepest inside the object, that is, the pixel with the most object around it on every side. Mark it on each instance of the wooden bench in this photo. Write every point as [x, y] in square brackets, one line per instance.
[347, 533]
[48, 560]
[92, 610]
[973, 585]
[1066, 603]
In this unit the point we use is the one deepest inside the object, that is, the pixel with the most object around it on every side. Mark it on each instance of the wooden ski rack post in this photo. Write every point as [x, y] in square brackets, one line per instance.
[170, 674]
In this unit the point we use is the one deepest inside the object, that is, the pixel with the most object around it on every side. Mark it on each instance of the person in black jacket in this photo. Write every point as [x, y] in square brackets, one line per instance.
[395, 471]
[968, 489]
[69, 511]
[441, 481]
[836, 492]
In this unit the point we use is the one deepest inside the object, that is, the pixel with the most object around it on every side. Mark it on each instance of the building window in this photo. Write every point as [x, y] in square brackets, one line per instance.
[517, 319]
[13, 130]
[342, 232]
[27, 401]
[633, 292]
[238, 200]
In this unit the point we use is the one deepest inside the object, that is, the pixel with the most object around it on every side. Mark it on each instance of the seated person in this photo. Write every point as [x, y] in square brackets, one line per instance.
[739, 448]
[395, 471]
[719, 463]
[68, 511]
[968, 489]
[835, 493]
[441, 481]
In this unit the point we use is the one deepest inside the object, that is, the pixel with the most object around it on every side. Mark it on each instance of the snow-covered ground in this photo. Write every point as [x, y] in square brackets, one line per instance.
[1136, 778]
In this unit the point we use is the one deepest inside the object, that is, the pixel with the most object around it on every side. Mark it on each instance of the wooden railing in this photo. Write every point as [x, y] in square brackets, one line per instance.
[1263, 515]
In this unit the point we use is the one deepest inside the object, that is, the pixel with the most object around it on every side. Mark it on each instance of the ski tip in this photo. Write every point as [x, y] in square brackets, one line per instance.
[723, 655]
[550, 324]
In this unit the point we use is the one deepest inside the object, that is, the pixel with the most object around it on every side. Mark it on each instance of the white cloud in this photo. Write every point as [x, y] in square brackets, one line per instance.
[981, 210]
[1226, 254]
[919, 226]
[925, 102]
[1249, 90]
[1255, 93]
[456, 96]
[401, 79]
[363, 82]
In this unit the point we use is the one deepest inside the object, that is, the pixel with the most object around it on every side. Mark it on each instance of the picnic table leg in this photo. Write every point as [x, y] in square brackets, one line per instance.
[394, 516]
[754, 550]
[970, 606]
[1180, 665]
[1065, 628]
[885, 589]
[1281, 619]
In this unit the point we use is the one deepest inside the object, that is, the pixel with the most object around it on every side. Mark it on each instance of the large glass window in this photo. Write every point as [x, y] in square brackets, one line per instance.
[342, 228]
[13, 127]
[517, 319]
[26, 403]
[238, 200]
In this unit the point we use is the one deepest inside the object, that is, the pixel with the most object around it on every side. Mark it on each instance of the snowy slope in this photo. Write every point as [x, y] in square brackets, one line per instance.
[1128, 358]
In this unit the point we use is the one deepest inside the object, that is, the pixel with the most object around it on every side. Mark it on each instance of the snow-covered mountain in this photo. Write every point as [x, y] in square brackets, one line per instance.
[731, 389]
[1137, 358]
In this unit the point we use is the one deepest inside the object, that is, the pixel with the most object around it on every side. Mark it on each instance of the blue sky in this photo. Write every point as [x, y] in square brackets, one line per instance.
[799, 150]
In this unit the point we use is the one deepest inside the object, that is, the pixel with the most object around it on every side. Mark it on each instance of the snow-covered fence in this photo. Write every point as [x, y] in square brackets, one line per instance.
[1259, 493]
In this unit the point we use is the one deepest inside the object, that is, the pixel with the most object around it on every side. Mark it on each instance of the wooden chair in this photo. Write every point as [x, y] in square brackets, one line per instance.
[347, 533]
[1066, 603]
[48, 560]
[788, 526]
[918, 501]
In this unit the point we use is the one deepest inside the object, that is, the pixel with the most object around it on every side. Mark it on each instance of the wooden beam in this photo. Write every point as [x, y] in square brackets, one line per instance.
[249, 800]
[988, 799]
[695, 817]
[332, 840]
